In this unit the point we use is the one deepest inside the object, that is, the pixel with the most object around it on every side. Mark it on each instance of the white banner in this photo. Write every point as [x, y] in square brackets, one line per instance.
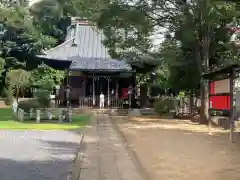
[222, 86]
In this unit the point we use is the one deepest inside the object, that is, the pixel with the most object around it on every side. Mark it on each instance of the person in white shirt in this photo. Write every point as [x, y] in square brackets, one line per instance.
[15, 106]
[101, 100]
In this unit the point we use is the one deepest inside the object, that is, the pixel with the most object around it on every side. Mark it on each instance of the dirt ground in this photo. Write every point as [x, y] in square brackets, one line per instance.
[2, 104]
[182, 151]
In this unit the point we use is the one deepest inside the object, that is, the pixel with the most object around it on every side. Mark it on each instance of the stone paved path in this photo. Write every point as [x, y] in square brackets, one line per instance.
[105, 156]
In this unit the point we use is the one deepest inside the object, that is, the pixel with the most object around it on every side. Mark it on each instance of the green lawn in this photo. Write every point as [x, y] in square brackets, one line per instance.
[7, 122]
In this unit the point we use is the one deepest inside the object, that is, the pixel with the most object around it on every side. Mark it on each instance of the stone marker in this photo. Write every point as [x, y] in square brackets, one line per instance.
[69, 115]
[38, 116]
[60, 115]
[21, 114]
[49, 115]
[31, 113]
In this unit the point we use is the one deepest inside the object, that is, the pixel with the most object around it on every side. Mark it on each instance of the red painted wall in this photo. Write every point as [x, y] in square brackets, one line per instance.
[124, 93]
[211, 88]
[220, 102]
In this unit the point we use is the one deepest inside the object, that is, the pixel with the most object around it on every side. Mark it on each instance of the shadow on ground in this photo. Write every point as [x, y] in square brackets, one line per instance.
[53, 160]
[170, 151]
[38, 170]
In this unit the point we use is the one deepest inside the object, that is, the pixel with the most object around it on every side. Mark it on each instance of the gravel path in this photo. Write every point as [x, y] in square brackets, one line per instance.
[179, 151]
[38, 155]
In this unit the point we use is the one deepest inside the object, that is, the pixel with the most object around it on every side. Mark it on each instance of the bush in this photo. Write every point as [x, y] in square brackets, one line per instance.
[163, 105]
[28, 104]
[8, 100]
[43, 98]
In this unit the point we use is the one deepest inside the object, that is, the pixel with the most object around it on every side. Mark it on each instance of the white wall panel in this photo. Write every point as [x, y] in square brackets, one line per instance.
[222, 86]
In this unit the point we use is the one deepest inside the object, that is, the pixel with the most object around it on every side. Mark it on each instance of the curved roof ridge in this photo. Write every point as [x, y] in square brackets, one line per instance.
[59, 46]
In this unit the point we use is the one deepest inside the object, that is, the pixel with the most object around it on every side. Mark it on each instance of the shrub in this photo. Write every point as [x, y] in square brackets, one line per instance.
[164, 105]
[43, 98]
[9, 96]
[28, 104]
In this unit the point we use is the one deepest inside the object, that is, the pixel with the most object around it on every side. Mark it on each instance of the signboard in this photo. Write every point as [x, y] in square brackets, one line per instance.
[220, 86]
[220, 102]
[219, 98]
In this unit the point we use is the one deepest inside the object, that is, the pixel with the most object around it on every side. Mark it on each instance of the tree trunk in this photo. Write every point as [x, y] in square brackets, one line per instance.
[204, 115]
[17, 93]
[204, 102]
[191, 103]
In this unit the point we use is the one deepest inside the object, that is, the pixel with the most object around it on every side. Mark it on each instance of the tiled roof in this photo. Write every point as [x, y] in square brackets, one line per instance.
[60, 52]
[98, 64]
[84, 47]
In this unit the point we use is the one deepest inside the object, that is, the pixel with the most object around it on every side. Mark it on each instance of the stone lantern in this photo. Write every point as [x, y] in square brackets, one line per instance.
[68, 93]
[57, 87]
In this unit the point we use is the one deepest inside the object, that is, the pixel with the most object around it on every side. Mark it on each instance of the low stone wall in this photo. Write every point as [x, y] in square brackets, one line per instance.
[57, 114]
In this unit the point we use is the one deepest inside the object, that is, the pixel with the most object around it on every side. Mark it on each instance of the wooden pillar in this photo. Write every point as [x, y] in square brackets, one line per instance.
[209, 110]
[117, 87]
[108, 90]
[68, 90]
[130, 91]
[94, 98]
[134, 85]
[232, 107]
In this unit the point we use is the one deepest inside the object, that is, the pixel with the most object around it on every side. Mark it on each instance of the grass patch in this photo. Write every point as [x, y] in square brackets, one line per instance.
[7, 122]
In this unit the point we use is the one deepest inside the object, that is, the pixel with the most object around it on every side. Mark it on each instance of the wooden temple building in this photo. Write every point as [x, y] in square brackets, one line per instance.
[90, 68]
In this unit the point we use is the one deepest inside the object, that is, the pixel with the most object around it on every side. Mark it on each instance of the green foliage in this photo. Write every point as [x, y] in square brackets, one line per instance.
[43, 98]
[26, 105]
[163, 105]
[128, 29]
[8, 100]
[52, 17]
[45, 77]
[196, 38]
[18, 80]
[22, 39]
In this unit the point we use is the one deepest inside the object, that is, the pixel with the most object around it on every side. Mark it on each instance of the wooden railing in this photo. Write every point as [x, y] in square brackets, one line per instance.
[113, 102]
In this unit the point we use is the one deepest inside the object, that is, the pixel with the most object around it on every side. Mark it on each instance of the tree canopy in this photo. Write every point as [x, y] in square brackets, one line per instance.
[194, 36]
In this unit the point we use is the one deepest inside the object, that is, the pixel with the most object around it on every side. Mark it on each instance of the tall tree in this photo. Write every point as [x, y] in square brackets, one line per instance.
[21, 40]
[199, 26]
